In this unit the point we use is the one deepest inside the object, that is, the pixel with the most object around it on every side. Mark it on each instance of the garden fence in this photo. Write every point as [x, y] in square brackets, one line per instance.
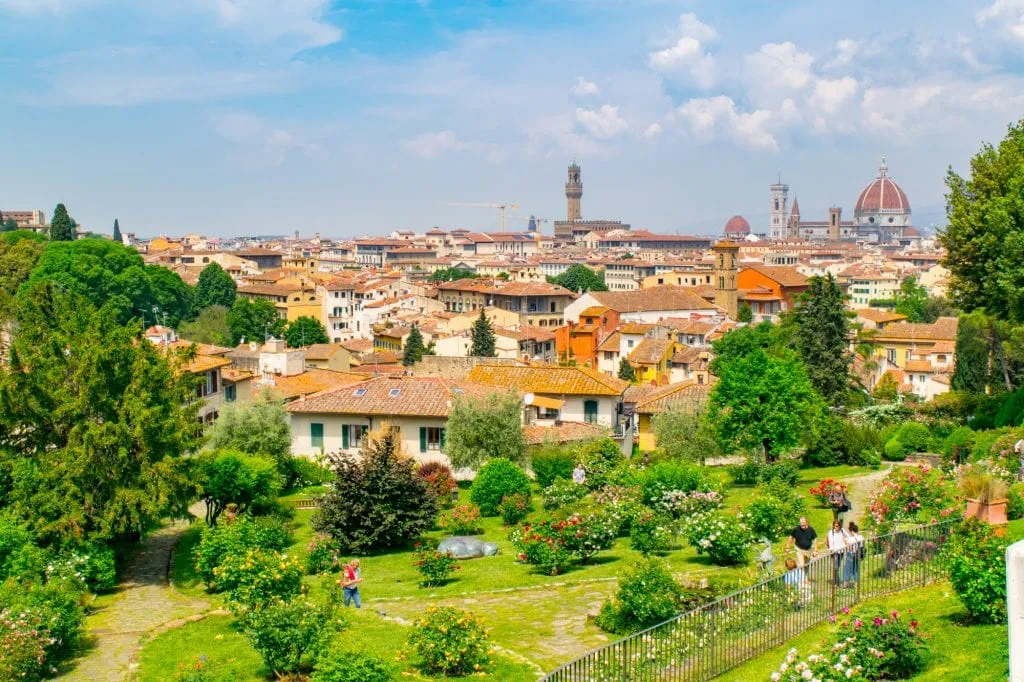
[708, 641]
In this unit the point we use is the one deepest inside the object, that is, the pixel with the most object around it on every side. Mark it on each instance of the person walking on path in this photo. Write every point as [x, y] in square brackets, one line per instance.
[840, 504]
[351, 578]
[855, 551]
[806, 540]
[836, 543]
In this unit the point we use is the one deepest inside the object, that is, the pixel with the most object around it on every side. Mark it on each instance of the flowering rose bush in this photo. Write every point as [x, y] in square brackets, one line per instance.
[685, 504]
[823, 491]
[832, 667]
[258, 577]
[974, 557]
[651, 533]
[882, 645]
[562, 493]
[440, 480]
[514, 508]
[288, 634]
[552, 544]
[23, 643]
[723, 538]
[323, 555]
[912, 495]
[463, 519]
[227, 539]
[451, 641]
[647, 595]
[621, 504]
[434, 567]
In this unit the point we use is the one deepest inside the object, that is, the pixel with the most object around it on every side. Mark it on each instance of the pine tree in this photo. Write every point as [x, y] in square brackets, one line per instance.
[822, 338]
[414, 349]
[745, 313]
[971, 371]
[483, 338]
[62, 227]
[117, 232]
[626, 371]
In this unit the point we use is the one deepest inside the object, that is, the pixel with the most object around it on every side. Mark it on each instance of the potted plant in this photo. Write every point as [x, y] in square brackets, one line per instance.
[986, 497]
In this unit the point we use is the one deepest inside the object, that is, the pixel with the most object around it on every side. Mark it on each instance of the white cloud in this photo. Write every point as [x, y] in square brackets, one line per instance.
[844, 52]
[269, 20]
[894, 108]
[602, 123]
[717, 117]
[584, 87]
[830, 94]
[265, 144]
[652, 131]
[688, 52]
[431, 145]
[119, 86]
[779, 66]
[1006, 15]
[554, 134]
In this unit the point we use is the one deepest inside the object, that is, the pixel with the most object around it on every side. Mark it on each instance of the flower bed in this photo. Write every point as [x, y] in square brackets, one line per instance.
[434, 567]
[552, 545]
[824, 490]
[912, 495]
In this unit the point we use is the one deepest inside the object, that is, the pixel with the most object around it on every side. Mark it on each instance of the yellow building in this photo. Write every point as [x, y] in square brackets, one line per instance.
[900, 342]
[652, 360]
[291, 301]
[687, 395]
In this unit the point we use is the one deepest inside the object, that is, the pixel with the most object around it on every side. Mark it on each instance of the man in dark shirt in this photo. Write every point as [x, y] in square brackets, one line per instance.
[806, 542]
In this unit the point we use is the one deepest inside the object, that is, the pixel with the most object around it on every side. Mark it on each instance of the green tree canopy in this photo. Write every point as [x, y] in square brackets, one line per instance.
[762, 399]
[971, 364]
[260, 427]
[414, 348]
[626, 371]
[745, 313]
[305, 331]
[232, 477]
[93, 422]
[580, 278]
[210, 326]
[452, 274]
[984, 238]
[912, 300]
[253, 320]
[215, 287]
[117, 232]
[483, 340]
[62, 227]
[685, 434]
[823, 338]
[481, 430]
[19, 253]
[108, 273]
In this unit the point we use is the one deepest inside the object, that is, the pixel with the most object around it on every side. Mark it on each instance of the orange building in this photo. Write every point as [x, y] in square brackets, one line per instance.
[769, 290]
[579, 341]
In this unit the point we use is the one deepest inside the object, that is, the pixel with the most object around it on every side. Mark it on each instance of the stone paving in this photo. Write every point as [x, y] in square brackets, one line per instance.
[144, 603]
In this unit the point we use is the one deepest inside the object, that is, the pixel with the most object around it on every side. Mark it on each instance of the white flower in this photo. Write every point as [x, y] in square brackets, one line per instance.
[776, 677]
[807, 674]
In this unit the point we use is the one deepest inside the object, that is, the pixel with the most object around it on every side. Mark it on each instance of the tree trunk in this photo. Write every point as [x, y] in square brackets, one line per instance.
[1001, 354]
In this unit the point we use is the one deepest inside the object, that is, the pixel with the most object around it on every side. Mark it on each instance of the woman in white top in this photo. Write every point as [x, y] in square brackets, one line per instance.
[836, 543]
[854, 553]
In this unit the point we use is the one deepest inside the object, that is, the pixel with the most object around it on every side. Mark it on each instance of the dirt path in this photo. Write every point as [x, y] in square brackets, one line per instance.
[861, 488]
[144, 602]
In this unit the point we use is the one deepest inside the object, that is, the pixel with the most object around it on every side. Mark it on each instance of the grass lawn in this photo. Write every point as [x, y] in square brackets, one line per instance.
[226, 650]
[960, 653]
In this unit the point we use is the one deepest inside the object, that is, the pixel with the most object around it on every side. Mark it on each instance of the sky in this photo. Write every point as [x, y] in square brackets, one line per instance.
[255, 117]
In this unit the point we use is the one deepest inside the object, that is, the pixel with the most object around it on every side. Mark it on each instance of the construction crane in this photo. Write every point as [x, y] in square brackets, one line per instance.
[532, 219]
[501, 207]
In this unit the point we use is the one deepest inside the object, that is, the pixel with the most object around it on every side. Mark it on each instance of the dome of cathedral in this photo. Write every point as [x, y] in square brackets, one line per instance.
[737, 225]
[882, 195]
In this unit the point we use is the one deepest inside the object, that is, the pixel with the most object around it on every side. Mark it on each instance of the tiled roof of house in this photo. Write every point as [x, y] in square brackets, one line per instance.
[204, 363]
[311, 381]
[650, 351]
[943, 329]
[922, 366]
[685, 395]
[322, 351]
[651, 299]
[594, 311]
[235, 375]
[358, 345]
[404, 396]
[689, 326]
[636, 327]
[783, 274]
[548, 380]
[201, 348]
[880, 316]
[612, 343]
[944, 347]
[564, 432]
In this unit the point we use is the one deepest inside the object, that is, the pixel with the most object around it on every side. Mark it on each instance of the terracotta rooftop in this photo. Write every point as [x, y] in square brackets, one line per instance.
[650, 351]
[943, 329]
[322, 351]
[311, 381]
[549, 380]
[652, 299]
[612, 343]
[405, 396]
[685, 395]
[880, 316]
[922, 366]
[783, 274]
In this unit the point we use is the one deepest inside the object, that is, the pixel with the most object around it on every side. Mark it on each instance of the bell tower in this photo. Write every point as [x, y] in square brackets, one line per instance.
[573, 193]
[726, 270]
[778, 209]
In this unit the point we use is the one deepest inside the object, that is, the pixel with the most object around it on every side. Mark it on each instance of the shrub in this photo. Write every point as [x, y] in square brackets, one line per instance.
[983, 443]
[1011, 411]
[337, 665]
[1015, 502]
[767, 518]
[684, 505]
[914, 437]
[894, 451]
[957, 446]
[440, 480]
[451, 641]
[304, 473]
[22, 646]
[746, 473]
[826, 445]
[975, 558]
[883, 646]
[376, 500]
[599, 457]
[651, 534]
[463, 519]
[911, 495]
[231, 477]
[222, 540]
[286, 634]
[553, 544]
[723, 538]
[620, 504]
[100, 568]
[323, 555]
[786, 471]
[647, 595]
[823, 491]
[257, 577]
[497, 478]
[434, 567]
[562, 493]
[514, 508]
[54, 608]
[551, 464]
[672, 476]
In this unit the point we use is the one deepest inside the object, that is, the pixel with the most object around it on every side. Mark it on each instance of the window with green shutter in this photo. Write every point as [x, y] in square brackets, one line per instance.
[316, 435]
[344, 436]
[442, 439]
[423, 439]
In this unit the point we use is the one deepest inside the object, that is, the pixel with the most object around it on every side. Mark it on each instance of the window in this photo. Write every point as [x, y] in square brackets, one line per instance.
[316, 435]
[394, 393]
[906, 355]
[941, 358]
[629, 344]
[230, 393]
[920, 378]
[359, 392]
[352, 435]
[890, 355]
[431, 438]
[590, 411]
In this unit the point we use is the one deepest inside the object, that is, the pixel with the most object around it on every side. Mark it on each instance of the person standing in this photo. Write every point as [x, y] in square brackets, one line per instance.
[836, 543]
[855, 551]
[350, 580]
[806, 540]
[840, 504]
[579, 474]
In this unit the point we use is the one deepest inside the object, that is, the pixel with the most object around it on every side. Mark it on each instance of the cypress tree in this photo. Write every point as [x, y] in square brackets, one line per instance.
[117, 232]
[822, 338]
[62, 227]
[483, 338]
[626, 371]
[970, 373]
[413, 351]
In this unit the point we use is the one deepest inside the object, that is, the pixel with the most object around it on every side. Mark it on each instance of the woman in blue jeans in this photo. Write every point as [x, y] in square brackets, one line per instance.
[351, 577]
[854, 553]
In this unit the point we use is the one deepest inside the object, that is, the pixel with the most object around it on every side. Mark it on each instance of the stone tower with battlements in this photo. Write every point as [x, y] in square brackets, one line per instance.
[573, 194]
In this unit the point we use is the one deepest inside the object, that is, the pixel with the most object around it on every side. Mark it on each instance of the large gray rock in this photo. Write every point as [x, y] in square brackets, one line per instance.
[465, 547]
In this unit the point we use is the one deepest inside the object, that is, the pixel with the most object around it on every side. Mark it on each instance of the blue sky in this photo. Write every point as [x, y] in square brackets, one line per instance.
[244, 117]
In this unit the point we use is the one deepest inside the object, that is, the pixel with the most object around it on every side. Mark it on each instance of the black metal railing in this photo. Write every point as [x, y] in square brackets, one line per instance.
[705, 642]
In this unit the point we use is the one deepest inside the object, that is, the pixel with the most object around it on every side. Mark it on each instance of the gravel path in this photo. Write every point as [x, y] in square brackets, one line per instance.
[144, 602]
[861, 488]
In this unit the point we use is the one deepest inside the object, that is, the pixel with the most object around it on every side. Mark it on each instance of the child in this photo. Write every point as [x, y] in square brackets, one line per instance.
[350, 579]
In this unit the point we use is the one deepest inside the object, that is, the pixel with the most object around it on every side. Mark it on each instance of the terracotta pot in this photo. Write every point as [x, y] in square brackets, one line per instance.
[993, 513]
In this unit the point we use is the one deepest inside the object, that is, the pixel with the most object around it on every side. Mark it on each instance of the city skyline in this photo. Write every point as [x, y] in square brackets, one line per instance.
[243, 118]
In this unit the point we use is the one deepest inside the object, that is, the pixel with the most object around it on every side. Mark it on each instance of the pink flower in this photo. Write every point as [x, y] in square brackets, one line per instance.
[895, 614]
[846, 610]
[877, 621]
